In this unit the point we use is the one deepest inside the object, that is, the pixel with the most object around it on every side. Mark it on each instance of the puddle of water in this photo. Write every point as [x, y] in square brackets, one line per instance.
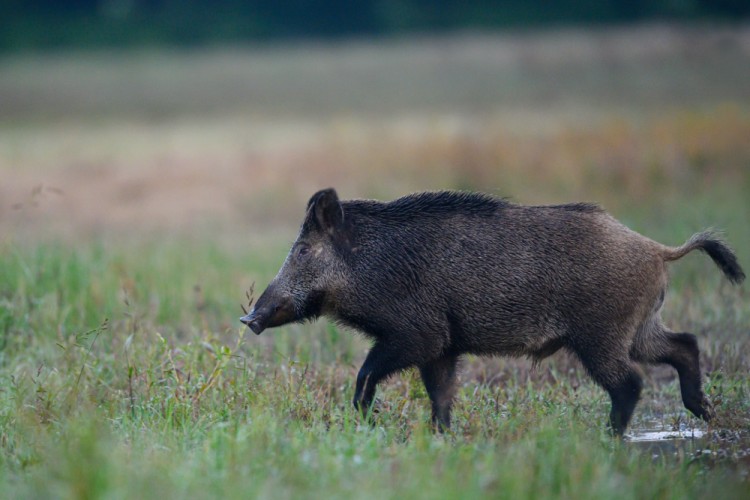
[660, 442]
[655, 436]
[704, 447]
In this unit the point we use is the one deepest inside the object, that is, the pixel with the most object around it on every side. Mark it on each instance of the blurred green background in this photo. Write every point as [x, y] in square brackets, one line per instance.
[45, 24]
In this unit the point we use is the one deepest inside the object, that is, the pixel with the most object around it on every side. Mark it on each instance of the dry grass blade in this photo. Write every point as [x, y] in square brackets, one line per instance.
[249, 293]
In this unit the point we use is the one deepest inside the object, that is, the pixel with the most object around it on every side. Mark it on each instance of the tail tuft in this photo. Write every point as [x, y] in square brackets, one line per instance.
[712, 244]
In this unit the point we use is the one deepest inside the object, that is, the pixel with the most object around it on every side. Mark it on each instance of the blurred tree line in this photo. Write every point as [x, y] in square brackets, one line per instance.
[45, 24]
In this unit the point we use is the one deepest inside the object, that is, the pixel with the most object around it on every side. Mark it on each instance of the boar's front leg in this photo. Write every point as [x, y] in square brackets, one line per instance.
[382, 361]
[439, 377]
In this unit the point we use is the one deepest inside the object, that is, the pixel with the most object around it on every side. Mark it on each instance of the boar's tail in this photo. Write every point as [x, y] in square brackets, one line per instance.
[712, 244]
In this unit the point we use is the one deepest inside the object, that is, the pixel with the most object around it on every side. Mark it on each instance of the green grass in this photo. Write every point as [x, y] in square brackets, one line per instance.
[125, 374]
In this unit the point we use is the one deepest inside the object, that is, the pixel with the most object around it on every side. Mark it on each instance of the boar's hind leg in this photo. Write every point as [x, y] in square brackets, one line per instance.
[680, 350]
[439, 377]
[683, 356]
[624, 395]
[621, 380]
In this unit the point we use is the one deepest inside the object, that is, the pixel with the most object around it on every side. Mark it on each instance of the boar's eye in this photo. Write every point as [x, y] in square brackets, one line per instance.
[303, 251]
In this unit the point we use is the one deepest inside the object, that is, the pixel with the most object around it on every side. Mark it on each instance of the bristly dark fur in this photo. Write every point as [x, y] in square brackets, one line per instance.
[431, 277]
[579, 207]
[431, 204]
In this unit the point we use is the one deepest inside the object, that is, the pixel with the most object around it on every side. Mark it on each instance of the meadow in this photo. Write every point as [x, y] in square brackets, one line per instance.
[143, 194]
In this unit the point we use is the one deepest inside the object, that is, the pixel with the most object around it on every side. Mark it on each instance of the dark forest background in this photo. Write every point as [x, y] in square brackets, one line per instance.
[53, 24]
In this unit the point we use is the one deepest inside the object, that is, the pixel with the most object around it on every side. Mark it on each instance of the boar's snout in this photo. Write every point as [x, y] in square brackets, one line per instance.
[254, 320]
[269, 312]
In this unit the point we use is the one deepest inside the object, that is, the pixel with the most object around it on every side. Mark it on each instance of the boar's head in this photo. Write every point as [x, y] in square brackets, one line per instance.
[312, 269]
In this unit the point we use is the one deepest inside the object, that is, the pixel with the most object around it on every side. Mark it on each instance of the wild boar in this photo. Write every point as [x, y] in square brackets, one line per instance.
[432, 276]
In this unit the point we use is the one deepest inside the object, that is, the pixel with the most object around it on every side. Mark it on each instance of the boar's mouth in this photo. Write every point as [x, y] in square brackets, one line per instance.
[269, 316]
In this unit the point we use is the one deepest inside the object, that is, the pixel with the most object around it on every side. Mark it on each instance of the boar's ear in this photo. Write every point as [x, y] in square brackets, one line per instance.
[326, 211]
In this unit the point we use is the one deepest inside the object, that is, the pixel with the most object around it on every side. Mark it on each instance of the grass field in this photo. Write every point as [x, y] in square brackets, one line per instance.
[143, 193]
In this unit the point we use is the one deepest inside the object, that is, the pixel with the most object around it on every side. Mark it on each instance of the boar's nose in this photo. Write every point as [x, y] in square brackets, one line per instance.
[269, 312]
[255, 320]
